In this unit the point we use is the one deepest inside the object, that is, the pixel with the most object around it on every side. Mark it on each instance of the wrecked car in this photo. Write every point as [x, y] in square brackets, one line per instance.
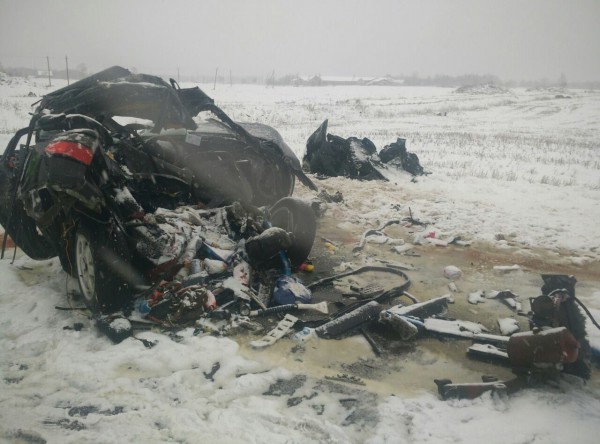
[83, 181]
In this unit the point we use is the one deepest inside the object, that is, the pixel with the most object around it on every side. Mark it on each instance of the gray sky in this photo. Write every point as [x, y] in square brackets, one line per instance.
[513, 39]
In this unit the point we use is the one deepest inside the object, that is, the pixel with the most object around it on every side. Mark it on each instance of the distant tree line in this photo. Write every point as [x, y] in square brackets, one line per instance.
[81, 71]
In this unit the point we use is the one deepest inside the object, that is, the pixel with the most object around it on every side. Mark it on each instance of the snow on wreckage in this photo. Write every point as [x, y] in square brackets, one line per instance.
[120, 179]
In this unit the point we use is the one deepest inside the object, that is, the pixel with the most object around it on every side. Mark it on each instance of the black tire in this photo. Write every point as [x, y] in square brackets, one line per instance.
[102, 262]
[296, 217]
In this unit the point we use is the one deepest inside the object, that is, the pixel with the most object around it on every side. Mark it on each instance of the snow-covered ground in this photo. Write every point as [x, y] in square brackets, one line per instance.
[525, 162]
[518, 170]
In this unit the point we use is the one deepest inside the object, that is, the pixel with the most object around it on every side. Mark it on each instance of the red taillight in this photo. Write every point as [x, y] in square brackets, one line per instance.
[75, 150]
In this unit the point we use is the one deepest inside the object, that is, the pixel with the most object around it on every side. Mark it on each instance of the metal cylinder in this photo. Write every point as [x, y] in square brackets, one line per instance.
[346, 322]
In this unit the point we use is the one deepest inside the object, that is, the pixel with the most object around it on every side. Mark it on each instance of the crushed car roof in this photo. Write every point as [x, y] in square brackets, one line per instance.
[116, 91]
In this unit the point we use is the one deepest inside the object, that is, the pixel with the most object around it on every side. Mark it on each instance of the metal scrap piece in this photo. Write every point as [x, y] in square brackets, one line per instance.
[283, 327]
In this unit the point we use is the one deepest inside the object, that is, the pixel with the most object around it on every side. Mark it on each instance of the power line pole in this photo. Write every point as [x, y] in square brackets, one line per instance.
[215, 84]
[49, 79]
[67, 63]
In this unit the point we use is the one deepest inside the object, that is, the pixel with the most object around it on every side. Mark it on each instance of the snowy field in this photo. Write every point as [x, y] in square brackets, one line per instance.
[517, 171]
[524, 163]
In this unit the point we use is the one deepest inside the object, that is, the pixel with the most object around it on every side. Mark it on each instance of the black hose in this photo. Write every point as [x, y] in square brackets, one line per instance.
[389, 294]
[363, 269]
[587, 312]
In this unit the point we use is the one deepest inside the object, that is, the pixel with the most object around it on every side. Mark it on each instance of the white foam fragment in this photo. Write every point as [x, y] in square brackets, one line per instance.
[508, 326]
[476, 297]
[402, 248]
[452, 272]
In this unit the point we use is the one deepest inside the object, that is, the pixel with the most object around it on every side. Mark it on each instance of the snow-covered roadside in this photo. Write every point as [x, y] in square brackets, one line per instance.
[531, 417]
[60, 386]
[536, 216]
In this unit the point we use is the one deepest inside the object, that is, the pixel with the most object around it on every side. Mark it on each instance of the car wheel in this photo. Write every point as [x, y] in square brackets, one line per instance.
[296, 217]
[103, 268]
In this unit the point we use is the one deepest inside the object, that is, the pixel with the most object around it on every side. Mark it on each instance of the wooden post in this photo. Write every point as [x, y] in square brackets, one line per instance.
[49, 79]
[215, 84]
[67, 63]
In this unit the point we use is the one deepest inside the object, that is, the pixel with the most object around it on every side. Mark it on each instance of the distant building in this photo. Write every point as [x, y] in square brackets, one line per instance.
[344, 81]
[385, 81]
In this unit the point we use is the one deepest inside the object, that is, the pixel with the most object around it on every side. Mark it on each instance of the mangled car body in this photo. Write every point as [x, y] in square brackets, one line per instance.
[101, 155]
[331, 155]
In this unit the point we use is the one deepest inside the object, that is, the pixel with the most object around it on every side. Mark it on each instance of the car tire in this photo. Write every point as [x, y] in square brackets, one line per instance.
[296, 217]
[103, 269]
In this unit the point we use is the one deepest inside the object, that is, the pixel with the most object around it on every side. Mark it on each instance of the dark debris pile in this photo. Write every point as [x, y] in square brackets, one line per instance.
[331, 155]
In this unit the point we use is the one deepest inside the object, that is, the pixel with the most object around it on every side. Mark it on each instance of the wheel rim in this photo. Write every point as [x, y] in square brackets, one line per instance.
[84, 260]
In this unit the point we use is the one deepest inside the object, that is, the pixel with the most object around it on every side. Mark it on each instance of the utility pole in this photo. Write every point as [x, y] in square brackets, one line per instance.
[49, 79]
[215, 84]
[67, 63]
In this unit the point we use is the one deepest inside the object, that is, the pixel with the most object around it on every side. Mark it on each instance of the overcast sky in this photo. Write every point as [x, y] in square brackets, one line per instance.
[513, 39]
